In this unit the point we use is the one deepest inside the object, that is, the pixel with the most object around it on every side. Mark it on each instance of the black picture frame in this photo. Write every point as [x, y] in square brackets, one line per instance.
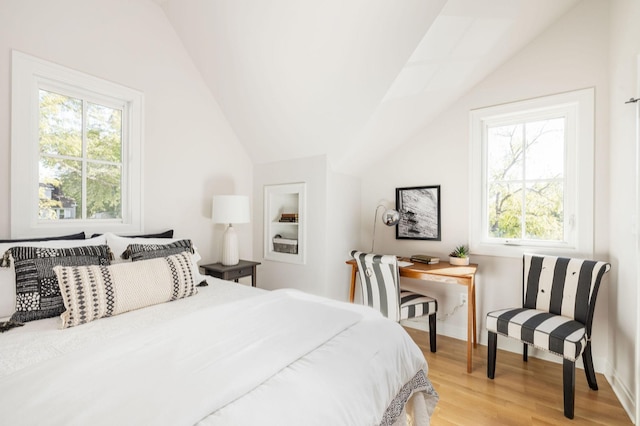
[419, 208]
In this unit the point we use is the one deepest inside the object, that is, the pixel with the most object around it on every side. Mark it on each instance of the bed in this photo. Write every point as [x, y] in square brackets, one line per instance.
[228, 354]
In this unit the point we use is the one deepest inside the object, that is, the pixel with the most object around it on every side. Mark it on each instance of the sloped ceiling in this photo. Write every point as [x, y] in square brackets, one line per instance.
[352, 79]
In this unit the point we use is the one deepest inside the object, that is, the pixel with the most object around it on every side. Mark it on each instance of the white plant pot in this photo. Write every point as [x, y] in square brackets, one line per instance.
[459, 261]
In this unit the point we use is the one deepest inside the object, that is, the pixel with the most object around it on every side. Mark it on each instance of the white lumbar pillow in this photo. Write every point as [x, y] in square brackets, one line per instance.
[94, 291]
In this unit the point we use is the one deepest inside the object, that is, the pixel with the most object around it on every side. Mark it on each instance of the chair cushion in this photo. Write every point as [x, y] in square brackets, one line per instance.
[554, 333]
[414, 305]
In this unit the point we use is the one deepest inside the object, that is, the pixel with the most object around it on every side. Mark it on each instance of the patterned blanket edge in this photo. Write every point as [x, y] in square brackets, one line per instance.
[419, 383]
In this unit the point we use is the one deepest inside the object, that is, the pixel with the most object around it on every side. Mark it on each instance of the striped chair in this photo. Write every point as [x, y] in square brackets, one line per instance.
[380, 284]
[559, 299]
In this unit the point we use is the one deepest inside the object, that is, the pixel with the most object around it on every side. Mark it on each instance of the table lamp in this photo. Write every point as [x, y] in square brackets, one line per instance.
[230, 209]
[390, 217]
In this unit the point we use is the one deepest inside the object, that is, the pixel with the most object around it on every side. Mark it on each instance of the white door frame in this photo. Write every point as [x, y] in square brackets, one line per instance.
[637, 235]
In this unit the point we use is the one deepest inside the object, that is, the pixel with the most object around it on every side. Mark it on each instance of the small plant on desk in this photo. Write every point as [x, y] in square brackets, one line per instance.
[459, 256]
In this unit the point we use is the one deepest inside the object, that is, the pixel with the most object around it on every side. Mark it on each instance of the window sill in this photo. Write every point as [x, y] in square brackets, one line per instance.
[517, 250]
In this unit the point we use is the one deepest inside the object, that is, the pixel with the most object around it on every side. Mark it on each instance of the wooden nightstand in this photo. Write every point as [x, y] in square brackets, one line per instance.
[244, 268]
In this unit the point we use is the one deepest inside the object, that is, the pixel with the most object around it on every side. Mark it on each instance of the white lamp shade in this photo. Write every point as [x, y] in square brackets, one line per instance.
[230, 209]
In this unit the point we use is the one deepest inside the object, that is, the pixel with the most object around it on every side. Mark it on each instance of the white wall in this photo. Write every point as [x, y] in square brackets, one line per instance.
[310, 277]
[343, 223]
[569, 55]
[623, 295]
[190, 151]
[332, 203]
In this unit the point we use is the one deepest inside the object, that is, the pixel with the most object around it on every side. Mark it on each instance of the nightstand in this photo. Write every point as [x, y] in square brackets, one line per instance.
[244, 268]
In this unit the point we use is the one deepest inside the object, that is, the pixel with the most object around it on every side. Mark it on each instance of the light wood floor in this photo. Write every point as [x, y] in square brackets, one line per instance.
[521, 393]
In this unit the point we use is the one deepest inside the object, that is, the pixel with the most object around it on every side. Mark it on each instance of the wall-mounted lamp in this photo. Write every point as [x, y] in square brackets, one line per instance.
[390, 217]
[230, 209]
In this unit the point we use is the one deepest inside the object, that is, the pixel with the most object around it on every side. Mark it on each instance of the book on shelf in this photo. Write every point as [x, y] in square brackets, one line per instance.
[424, 258]
[289, 217]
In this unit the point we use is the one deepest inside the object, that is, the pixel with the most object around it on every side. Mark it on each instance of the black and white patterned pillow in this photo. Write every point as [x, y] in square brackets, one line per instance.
[37, 290]
[93, 292]
[151, 251]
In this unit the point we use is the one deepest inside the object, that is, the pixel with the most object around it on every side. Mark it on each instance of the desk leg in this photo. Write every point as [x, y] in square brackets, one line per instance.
[475, 318]
[253, 277]
[470, 323]
[352, 289]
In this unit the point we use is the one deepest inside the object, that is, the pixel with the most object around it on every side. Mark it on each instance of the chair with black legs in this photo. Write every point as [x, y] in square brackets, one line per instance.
[380, 284]
[559, 298]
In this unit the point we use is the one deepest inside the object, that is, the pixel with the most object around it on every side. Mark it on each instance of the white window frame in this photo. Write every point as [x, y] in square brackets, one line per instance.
[578, 108]
[29, 74]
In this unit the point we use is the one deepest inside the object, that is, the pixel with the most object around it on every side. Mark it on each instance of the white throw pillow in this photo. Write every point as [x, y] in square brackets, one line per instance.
[8, 275]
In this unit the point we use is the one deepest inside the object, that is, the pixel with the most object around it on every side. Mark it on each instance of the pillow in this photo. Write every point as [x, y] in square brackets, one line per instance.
[165, 234]
[8, 276]
[119, 244]
[137, 252]
[93, 292]
[78, 236]
[37, 290]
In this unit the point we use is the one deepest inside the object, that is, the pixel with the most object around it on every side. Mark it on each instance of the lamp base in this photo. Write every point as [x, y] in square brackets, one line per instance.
[230, 247]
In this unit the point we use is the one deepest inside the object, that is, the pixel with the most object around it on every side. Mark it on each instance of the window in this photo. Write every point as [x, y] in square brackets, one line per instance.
[532, 176]
[76, 151]
[80, 167]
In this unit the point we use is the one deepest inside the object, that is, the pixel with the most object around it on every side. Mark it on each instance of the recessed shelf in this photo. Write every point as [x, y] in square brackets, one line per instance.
[284, 200]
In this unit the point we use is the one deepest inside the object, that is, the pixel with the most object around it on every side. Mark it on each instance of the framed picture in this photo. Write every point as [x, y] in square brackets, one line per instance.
[419, 209]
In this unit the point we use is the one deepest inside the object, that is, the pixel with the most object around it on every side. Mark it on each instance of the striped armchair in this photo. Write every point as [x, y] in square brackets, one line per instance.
[559, 297]
[380, 284]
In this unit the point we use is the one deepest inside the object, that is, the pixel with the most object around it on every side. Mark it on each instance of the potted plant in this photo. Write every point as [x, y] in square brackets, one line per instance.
[459, 256]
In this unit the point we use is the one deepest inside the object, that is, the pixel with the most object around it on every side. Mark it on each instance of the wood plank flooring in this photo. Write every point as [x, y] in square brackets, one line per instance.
[521, 393]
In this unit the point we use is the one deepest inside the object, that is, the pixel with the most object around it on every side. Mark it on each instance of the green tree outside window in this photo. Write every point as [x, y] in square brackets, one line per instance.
[80, 167]
[525, 176]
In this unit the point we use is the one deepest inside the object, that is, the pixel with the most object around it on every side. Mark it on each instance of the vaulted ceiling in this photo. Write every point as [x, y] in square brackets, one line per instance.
[352, 79]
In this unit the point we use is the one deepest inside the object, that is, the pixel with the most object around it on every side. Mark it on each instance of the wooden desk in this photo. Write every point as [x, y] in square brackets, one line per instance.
[445, 273]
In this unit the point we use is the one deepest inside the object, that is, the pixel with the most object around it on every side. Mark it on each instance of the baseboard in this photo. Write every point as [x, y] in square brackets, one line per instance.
[624, 394]
[443, 328]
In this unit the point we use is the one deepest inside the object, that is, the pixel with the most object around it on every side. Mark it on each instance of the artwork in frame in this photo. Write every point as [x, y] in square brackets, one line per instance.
[419, 209]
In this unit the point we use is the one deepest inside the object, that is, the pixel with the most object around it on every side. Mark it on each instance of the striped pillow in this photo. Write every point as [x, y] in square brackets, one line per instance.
[93, 292]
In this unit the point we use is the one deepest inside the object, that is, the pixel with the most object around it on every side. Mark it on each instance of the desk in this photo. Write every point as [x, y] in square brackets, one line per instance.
[445, 273]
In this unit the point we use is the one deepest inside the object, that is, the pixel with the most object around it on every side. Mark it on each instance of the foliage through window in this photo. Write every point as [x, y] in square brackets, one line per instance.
[80, 167]
[525, 180]
[532, 176]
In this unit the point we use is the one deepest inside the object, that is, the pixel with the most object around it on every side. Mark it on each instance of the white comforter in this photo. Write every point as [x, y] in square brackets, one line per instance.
[227, 356]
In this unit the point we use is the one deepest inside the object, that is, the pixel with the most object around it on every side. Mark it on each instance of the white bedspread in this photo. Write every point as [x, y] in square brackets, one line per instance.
[267, 358]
